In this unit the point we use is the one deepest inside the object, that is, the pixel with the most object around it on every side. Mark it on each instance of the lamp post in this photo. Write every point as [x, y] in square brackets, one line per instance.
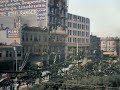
[15, 50]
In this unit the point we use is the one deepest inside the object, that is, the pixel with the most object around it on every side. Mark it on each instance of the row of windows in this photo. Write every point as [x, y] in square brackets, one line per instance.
[35, 49]
[56, 11]
[78, 26]
[78, 18]
[58, 38]
[10, 54]
[58, 3]
[37, 38]
[108, 43]
[58, 49]
[108, 49]
[78, 33]
[56, 20]
[78, 40]
[34, 38]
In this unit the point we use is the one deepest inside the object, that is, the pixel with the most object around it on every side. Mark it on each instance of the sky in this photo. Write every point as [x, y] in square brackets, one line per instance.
[104, 15]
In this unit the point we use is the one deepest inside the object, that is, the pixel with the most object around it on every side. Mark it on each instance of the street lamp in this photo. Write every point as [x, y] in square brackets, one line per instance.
[15, 50]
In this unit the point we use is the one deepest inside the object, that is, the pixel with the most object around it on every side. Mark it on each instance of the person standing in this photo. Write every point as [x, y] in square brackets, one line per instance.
[16, 86]
[11, 85]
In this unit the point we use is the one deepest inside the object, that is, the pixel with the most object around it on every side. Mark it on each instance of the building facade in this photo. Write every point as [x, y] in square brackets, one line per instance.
[57, 23]
[9, 30]
[10, 39]
[35, 44]
[41, 45]
[34, 40]
[110, 45]
[78, 33]
[8, 57]
[58, 46]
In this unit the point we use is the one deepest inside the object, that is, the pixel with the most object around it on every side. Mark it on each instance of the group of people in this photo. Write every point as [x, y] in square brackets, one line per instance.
[11, 84]
[14, 83]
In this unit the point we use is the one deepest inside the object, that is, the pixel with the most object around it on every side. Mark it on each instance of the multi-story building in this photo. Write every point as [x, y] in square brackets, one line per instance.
[57, 23]
[110, 45]
[35, 42]
[48, 13]
[10, 48]
[78, 33]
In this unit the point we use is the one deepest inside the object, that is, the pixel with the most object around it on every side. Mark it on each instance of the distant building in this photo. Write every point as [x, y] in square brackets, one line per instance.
[95, 49]
[78, 33]
[110, 45]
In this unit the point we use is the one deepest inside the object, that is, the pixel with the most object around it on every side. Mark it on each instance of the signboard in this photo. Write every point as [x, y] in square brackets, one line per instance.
[12, 33]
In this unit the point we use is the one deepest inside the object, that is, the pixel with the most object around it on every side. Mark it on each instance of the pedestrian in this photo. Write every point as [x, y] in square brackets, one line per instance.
[11, 85]
[16, 86]
[4, 86]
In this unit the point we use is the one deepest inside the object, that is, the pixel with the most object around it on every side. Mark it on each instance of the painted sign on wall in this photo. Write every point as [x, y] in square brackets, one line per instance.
[23, 7]
[12, 33]
[9, 30]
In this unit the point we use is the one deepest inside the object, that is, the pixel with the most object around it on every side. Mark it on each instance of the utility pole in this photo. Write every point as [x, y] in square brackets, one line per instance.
[77, 49]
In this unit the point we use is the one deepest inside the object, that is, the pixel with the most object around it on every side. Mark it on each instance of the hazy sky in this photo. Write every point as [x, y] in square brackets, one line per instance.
[104, 15]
